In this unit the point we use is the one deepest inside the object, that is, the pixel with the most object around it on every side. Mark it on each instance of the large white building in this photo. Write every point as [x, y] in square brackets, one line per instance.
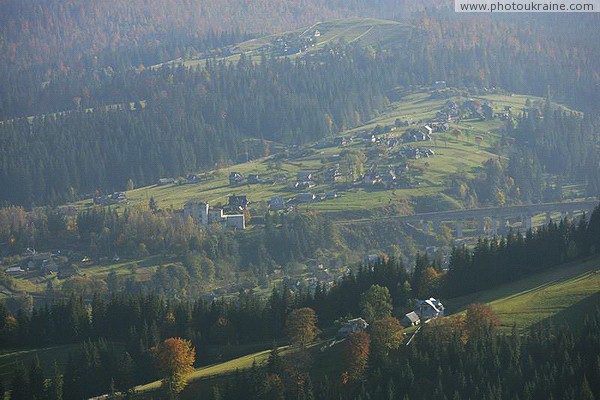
[203, 214]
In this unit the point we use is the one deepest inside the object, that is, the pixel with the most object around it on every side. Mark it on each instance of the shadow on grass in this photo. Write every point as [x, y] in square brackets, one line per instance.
[572, 316]
[525, 285]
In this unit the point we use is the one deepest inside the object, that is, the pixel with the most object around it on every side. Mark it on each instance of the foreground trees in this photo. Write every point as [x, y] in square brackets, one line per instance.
[175, 359]
[386, 336]
[301, 326]
[376, 303]
[480, 317]
[356, 355]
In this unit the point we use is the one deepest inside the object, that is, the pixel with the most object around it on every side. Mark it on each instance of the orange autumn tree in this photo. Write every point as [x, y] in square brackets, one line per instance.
[301, 326]
[175, 359]
[356, 355]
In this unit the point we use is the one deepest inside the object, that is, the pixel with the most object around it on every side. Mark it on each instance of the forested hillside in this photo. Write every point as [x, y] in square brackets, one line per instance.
[89, 56]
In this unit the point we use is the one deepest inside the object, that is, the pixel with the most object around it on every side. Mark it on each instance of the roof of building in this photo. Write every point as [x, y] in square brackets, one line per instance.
[412, 316]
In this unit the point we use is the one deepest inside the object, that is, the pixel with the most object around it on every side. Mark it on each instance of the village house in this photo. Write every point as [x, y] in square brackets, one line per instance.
[235, 178]
[303, 185]
[371, 179]
[305, 197]
[237, 203]
[303, 176]
[333, 175]
[277, 203]
[14, 270]
[415, 135]
[351, 326]
[341, 141]
[191, 178]
[429, 309]
[115, 198]
[253, 179]
[165, 181]
[439, 85]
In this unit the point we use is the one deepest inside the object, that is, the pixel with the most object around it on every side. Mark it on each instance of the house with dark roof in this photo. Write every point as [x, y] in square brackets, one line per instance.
[304, 176]
[237, 203]
[235, 178]
[276, 203]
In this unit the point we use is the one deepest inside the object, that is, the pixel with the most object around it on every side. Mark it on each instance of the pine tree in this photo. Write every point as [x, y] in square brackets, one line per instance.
[20, 389]
[54, 389]
[36, 380]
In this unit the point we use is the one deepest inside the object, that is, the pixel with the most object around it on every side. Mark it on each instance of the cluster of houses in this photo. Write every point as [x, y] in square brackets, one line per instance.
[318, 274]
[425, 310]
[236, 179]
[184, 180]
[418, 135]
[48, 263]
[470, 108]
[414, 153]
[108, 199]
[393, 177]
[294, 45]
[202, 213]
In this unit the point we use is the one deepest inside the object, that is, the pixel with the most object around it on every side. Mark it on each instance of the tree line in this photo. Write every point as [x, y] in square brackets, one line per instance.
[455, 358]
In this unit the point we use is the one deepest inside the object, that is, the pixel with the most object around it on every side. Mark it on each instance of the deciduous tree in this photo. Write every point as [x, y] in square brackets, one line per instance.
[376, 303]
[356, 355]
[479, 318]
[301, 326]
[175, 359]
[386, 336]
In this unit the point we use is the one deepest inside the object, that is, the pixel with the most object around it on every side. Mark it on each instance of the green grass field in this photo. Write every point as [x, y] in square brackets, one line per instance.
[452, 155]
[561, 295]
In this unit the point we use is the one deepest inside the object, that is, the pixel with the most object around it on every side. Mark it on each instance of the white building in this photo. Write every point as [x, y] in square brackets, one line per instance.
[203, 214]
[430, 308]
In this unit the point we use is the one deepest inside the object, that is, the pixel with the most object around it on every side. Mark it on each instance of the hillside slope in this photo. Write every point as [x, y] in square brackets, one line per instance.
[559, 295]
[564, 294]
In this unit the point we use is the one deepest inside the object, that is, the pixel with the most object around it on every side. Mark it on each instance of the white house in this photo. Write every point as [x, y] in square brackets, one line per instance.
[14, 270]
[203, 214]
[430, 308]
